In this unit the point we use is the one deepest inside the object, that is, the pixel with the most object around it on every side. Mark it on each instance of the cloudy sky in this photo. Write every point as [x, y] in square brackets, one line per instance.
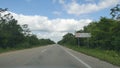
[54, 18]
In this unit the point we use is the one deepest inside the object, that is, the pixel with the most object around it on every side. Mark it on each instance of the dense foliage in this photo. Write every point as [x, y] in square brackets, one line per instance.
[68, 39]
[115, 12]
[105, 35]
[12, 35]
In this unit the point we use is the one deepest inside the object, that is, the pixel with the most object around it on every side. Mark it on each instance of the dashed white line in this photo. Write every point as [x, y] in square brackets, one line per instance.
[43, 50]
[46, 49]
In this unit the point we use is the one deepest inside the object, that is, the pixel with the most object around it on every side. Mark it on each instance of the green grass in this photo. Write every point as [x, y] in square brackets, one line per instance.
[6, 50]
[112, 57]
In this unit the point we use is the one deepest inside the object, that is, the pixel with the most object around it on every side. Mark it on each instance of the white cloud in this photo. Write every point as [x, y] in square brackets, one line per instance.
[77, 9]
[56, 36]
[54, 29]
[61, 1]
[90, 1]
[57, 13]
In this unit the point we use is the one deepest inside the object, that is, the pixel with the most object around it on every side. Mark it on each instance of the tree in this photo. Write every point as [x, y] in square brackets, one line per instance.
[105, 33]
[115, 12]
[13, 35]
[68, 39]
[10, 31]
[26, 30]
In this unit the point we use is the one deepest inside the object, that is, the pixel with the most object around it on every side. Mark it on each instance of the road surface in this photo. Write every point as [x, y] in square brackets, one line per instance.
[52, 56]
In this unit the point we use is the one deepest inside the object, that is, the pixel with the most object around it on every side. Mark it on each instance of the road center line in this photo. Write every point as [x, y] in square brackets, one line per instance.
[88, 66]
[44, 50]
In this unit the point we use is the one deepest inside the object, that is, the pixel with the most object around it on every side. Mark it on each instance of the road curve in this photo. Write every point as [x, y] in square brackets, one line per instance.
[52, 56]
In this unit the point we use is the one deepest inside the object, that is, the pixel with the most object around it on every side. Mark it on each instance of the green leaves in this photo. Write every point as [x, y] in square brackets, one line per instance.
[115, 12]
[105, 35]
[68, 39]
[12, 35]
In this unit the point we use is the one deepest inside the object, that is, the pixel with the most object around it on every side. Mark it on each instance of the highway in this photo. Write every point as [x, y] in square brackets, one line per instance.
[51, 56]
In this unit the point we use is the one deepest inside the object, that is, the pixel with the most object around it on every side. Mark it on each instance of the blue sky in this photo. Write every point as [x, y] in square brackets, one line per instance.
[48, 7]
[54, 18]
[32, 7]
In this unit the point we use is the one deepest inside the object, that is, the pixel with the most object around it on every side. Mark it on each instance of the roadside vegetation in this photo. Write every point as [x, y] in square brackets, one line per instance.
[105, 41]
[110, 56]
[14, 36]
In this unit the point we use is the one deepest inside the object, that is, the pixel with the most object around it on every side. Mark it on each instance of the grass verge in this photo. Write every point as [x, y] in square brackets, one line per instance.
[112, 57]
[2, 50]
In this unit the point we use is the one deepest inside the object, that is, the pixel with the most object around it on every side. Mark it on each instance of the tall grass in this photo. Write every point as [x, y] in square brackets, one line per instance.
[110, 56]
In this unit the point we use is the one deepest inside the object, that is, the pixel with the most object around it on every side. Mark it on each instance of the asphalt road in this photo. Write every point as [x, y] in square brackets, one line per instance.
[52, 56]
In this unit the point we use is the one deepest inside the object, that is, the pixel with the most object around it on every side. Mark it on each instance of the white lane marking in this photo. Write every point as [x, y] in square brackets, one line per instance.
[88, 66]
[44, 50]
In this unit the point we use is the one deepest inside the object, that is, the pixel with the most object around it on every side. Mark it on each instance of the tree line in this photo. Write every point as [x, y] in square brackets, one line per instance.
[13, 35]
[105, 34]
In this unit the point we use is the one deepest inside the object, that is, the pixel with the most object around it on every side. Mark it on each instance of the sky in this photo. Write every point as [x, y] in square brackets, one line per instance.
[54, 18]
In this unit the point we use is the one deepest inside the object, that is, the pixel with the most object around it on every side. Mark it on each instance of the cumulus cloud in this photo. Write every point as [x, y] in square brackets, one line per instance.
[60, 1]
[53, 29]
[57, 13]
[77, 9]
[90, 1]
[55, 36]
